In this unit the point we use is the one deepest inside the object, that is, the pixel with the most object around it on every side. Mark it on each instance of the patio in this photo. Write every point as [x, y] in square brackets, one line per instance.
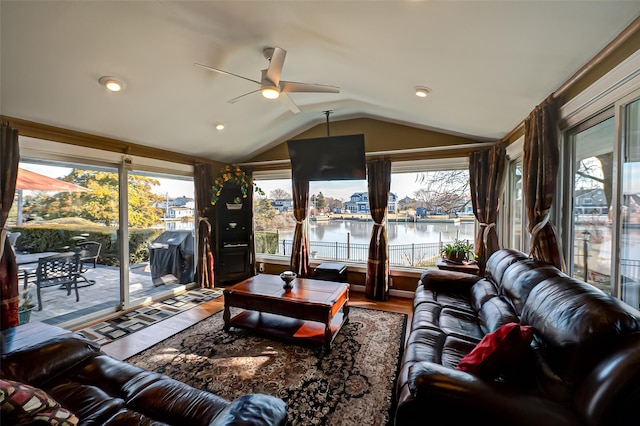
[62, 310]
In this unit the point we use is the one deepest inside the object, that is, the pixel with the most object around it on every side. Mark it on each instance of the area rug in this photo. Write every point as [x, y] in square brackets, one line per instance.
[352, 384]
[107, 331]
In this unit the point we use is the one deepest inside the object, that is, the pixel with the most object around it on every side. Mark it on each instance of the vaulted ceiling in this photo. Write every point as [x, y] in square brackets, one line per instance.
[486, 63]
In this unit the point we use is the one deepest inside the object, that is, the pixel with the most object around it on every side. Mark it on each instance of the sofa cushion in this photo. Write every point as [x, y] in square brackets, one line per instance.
[498, 351]
[21, 403]
[521, 278]
[494, 313]
[482, 291]
[499, 261]
[576, 324]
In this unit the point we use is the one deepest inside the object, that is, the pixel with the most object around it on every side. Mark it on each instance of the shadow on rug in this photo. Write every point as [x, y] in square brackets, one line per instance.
[353, 384]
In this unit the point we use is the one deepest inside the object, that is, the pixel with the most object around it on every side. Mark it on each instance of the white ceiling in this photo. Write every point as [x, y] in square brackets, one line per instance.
[488, 63]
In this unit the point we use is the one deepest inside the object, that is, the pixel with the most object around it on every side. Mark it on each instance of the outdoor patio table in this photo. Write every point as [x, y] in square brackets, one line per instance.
[24, 258]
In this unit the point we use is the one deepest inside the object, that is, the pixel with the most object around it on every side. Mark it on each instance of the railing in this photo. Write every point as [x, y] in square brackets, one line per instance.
[422, 254]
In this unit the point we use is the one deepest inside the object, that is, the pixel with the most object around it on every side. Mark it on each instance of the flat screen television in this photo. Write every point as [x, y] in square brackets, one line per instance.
[328, 158]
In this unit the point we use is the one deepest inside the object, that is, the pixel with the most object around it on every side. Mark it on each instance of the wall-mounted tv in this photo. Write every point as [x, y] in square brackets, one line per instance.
[328, 158]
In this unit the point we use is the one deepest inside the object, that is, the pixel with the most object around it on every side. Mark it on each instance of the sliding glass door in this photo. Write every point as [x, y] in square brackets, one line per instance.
[629, 214]
[592, 146]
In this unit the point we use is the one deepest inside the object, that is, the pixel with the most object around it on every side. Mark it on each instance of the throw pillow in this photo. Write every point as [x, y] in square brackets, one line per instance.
[498, 351]
[22, 403]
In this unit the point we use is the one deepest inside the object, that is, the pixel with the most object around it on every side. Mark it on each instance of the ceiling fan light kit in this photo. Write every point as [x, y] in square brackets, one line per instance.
[270, 84]
[270, 93]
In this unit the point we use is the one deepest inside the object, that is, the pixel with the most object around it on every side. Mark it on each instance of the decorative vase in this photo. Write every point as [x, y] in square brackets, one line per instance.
[24, 315]
[288, 277]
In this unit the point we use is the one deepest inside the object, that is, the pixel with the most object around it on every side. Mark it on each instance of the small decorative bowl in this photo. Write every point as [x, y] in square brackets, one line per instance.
[288, 277]
[233, 225]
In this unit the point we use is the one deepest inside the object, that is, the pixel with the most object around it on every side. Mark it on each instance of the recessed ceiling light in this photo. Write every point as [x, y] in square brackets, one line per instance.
[219, 126]
[111, 83]
[422, 91]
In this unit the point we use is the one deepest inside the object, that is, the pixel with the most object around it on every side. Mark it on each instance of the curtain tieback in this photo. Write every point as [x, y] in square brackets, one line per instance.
[379, 232]
[206, 221]
[485, 233]
[536, 229]
[300, 222]
[3, 237]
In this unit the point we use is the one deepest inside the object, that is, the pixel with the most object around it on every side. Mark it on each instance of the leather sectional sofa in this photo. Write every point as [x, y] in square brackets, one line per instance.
[101, 390]
[582, 366]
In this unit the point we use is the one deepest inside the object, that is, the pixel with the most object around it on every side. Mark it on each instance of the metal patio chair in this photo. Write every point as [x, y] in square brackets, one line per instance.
[61, 269]
[89, 252]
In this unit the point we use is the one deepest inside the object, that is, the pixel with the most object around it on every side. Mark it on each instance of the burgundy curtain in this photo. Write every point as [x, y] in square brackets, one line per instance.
[300, 251]
[203, 181]
[379, 185]
[9, 158]
[540, 168]
[486, 175]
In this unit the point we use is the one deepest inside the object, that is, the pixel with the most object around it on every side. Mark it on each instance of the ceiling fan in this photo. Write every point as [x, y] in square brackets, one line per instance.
[270, 84]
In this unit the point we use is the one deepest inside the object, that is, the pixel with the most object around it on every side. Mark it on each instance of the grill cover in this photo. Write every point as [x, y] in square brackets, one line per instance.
[171, 258]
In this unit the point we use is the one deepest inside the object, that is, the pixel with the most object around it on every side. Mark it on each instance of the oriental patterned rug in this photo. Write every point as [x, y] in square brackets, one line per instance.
[353, 384]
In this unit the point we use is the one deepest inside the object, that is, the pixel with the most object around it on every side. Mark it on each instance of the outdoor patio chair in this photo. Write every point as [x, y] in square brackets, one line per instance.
[61, 269]
[89, 251]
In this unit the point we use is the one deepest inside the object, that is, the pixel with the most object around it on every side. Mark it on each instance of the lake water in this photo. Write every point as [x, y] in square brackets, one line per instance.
[397, 232]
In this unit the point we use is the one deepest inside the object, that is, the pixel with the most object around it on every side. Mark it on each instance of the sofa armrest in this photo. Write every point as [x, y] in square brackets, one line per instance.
[253, 410]
[41, 362]
[459, 397]
[450, 281]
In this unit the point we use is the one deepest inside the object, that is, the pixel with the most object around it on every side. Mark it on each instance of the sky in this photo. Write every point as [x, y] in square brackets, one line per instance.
[402, 184]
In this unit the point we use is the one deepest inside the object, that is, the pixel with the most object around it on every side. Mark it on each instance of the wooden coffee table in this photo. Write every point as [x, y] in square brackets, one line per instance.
[312, 311]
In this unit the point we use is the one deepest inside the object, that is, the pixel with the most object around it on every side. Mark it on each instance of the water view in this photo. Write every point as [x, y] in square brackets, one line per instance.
[410, 243]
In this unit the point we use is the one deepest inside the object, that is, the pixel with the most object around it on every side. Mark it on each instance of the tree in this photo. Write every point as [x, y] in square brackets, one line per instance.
[279, 194]
[446, 191]
[100, 204]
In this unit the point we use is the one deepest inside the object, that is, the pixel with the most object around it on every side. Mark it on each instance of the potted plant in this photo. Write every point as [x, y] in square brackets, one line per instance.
[458, 251]
[25, 307]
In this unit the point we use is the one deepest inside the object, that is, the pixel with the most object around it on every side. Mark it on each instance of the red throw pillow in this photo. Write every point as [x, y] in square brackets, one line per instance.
[22, 403]
[498, 350]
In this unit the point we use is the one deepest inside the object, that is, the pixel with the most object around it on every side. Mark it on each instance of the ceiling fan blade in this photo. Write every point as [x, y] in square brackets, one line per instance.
[292, 86]
[227, 73]
[276, 62]
[289, 103]
[237, 98]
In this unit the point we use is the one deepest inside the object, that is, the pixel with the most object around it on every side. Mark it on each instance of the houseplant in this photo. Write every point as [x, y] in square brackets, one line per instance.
[231, 173]
[25, 307]
[458, 251]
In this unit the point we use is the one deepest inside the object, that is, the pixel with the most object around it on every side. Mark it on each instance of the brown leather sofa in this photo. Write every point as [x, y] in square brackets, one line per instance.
[582, 367]
[101, 390]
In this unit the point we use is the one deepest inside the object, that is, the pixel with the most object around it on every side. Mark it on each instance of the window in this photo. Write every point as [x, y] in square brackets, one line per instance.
[513, 218]
[601, 156]
[592, 144]
[425, 210]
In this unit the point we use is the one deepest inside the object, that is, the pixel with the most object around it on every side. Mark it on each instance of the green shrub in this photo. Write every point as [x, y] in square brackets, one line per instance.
[266, 242]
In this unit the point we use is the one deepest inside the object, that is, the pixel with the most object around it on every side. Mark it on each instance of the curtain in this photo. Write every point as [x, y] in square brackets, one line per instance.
[540, 168]
[203, 181]
[379, 185]
[486, 175]
[300, 251]
[9, 158]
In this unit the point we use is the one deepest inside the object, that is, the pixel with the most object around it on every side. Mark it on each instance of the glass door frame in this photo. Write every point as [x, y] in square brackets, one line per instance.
[621, 142]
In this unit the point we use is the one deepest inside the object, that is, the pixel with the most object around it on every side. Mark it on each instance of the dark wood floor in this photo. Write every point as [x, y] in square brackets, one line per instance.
[136, 342]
